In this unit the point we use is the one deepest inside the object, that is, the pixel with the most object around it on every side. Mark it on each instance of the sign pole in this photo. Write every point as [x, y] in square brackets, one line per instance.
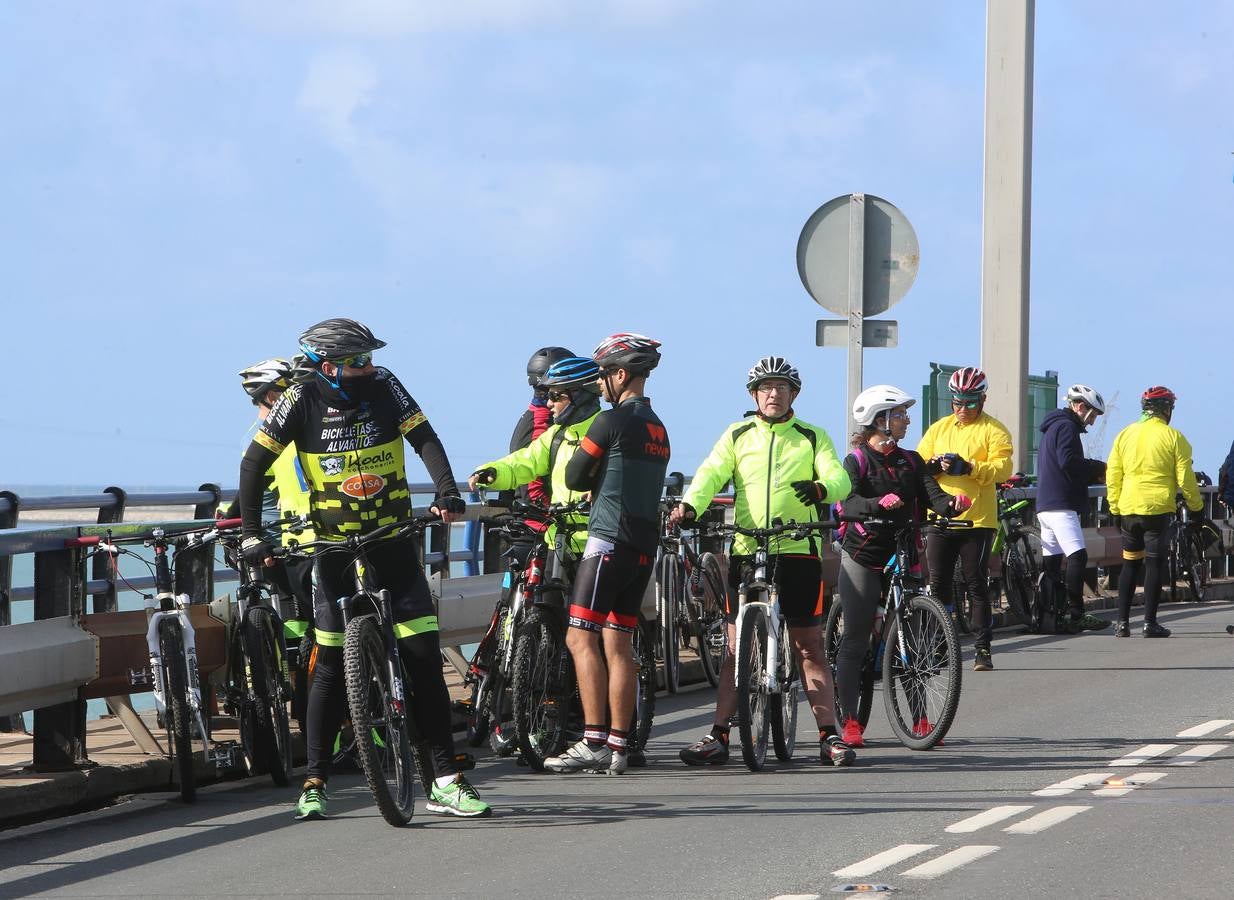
[856, 301]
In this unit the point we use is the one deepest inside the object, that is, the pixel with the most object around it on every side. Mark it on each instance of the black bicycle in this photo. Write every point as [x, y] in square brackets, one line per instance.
[386, 742]
[1188, 563]
[690, 589]
[914, 645]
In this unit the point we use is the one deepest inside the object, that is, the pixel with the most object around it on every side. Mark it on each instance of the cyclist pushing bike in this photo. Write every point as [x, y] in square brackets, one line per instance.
[891, 485]
[781, 468]
[348, 420]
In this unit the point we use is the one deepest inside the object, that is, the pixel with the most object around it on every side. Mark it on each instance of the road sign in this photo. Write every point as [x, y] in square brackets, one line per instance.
[874, 333]
[891, 255]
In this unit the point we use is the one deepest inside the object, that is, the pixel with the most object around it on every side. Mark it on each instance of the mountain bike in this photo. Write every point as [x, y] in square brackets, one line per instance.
[768, 677]
[386, 742]
[689, 602]
[1187, 561]
[915, 645]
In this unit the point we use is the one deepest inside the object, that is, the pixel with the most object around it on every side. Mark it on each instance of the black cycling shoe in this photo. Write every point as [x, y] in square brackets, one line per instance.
[1122, 629]
[1153, 630]
[636, 759]
[834, 752]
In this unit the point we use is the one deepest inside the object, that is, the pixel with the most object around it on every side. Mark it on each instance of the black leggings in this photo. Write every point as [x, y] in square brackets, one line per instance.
[429, 700]
[1076, 564]
[972, 547]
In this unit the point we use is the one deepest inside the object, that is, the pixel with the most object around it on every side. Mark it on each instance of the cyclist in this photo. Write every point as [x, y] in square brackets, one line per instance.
[1225, 480]
[1149, 464]
[348, 420]
[286, 494]
[621, 461]
[889, 483]
[1062, 497]
[969, 452]
[781, 468]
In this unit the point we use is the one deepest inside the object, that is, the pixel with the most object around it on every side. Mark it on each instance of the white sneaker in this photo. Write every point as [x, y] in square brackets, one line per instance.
[582, 758]
[618, 764]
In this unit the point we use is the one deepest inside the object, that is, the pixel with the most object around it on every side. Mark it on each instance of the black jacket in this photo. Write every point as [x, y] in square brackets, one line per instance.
[895, 473]
[1063, 474]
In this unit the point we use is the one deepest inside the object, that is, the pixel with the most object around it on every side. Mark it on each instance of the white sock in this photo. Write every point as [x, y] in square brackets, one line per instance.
[445, 780]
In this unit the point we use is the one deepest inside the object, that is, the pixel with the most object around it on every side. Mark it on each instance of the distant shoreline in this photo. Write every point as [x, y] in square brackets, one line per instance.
[91, 516]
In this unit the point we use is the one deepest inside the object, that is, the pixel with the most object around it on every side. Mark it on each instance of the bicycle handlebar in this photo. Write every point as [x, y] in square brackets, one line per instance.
[355, 542]
[796, 530]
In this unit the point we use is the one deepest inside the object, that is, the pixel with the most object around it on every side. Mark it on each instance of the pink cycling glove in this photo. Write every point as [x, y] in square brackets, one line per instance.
[890, 501]
[960, 502]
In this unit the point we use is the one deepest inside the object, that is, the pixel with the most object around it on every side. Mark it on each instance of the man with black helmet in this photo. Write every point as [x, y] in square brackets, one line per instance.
[1149, 464]
[348, 420]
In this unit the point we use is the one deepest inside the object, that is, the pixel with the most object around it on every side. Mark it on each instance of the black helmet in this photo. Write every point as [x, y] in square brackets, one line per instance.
[338, 339]
[542, 359]
[636, 353]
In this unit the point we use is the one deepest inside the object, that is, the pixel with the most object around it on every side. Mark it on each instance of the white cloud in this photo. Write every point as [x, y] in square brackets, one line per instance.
[337, 84]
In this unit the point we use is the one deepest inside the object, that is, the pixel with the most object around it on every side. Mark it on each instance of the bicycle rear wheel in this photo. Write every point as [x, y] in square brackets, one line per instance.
[263, 646]
[668, 598]
[1196, 567]
[708, 581]
[644, 686]
[542, 688]
[379, 721]
[782, 710]
[833, 634]
[752, 695]
[178, 713]
[960, 605]
[921, 672]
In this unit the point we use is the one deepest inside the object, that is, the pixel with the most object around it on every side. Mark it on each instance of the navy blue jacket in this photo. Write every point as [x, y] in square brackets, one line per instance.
[1226, 479]
[1063, 474]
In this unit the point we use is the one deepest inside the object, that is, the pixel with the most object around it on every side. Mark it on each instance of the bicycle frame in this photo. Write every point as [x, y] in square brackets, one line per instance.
[755, 585]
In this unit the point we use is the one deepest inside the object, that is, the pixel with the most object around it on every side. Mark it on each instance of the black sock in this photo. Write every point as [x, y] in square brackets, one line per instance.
[720, 733]
[827, 731]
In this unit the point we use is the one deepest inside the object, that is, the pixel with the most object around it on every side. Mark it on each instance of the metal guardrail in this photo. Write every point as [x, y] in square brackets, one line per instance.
[60, 589]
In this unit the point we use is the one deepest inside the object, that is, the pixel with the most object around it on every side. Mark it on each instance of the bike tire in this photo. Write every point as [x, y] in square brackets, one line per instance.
[179, 708]
[1020, 581]
[478, 722]
[921, 672]
[1197, 568]
[961, 605]
[712, 631]
[267, 660]
[302, 681]
[668, 599]
[644, 686]
[380, 723]
[783, 706]
[833, 631]
[541, 688]
[753, 720]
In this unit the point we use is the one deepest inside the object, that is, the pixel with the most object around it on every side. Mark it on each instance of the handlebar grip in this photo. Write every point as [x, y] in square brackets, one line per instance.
[228, 523]
[87, 541]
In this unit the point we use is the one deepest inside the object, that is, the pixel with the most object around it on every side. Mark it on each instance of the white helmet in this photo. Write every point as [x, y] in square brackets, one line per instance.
[877, 399]
[1088, 395]
[267, 375]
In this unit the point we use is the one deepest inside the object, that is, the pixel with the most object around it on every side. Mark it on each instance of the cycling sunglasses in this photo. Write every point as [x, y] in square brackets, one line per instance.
[558, 395]
[359, 361]
[965, 402]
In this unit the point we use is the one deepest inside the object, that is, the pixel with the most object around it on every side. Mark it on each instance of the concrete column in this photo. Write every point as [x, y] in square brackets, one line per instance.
[1006, 226]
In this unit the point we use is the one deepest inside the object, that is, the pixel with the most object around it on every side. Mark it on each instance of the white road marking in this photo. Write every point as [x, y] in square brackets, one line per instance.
[882, 860]
[949, 861]
[797, 897]
[1070, 785]
[1193, 755]
[1130, 783]
[1206, 728]
[982, 819]
[1044, 820]
[1143, 755]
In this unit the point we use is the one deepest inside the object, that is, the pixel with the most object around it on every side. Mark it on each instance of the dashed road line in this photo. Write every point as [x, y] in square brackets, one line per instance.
[1070, 785]
[880, 861]
[949, 861]
[1194, 754]
[797, 897]
[1143, 755]
[1206, 728]
[982, 819]
[1128, 784]
[1043, 820]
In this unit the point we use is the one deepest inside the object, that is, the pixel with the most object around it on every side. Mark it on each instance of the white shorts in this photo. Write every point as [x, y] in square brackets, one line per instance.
[1060, 532]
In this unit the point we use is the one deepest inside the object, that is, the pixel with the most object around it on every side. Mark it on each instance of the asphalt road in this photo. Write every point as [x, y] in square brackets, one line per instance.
[964, 820]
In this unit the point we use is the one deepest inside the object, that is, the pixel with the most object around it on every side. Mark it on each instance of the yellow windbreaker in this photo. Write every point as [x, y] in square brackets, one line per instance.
[986, 446]
[1149, 464]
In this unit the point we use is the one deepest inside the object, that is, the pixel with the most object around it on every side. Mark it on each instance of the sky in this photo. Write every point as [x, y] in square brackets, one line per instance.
[187, 186]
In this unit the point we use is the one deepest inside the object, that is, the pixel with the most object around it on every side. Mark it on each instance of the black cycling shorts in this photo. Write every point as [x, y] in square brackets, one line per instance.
[392, 565]
[1146, 535]
[609, 587]
[799, 578]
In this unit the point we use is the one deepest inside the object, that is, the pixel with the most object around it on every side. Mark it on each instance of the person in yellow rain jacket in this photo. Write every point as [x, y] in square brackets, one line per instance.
[970, 453]
[1148, 466]
[574, 398]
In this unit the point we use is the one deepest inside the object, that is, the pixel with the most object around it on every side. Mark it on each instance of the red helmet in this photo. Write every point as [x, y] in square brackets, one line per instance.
[968, 380]
[1157, 397]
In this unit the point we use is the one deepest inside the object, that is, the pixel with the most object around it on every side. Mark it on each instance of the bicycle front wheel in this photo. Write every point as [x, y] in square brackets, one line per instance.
[668, 588]
[833, 636]
[752, 694]
[921, 672]
[782, 710]
[263, 645]
[179, 708]
[542, 688]
[644, 686]
[1020, 580]
[710, 627]
[1196, 567]
[379, 721]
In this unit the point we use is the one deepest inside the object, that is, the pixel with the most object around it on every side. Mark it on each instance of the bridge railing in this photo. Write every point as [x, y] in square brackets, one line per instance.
[53, 664]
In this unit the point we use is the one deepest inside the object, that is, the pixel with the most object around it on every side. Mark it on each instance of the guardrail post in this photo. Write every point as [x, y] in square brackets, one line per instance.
[105, 600]
[439, 542]
[208, 509]
[60, 730]
[8, 519]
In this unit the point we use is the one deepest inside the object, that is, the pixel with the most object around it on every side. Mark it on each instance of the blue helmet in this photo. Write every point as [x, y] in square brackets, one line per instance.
[571, 372]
